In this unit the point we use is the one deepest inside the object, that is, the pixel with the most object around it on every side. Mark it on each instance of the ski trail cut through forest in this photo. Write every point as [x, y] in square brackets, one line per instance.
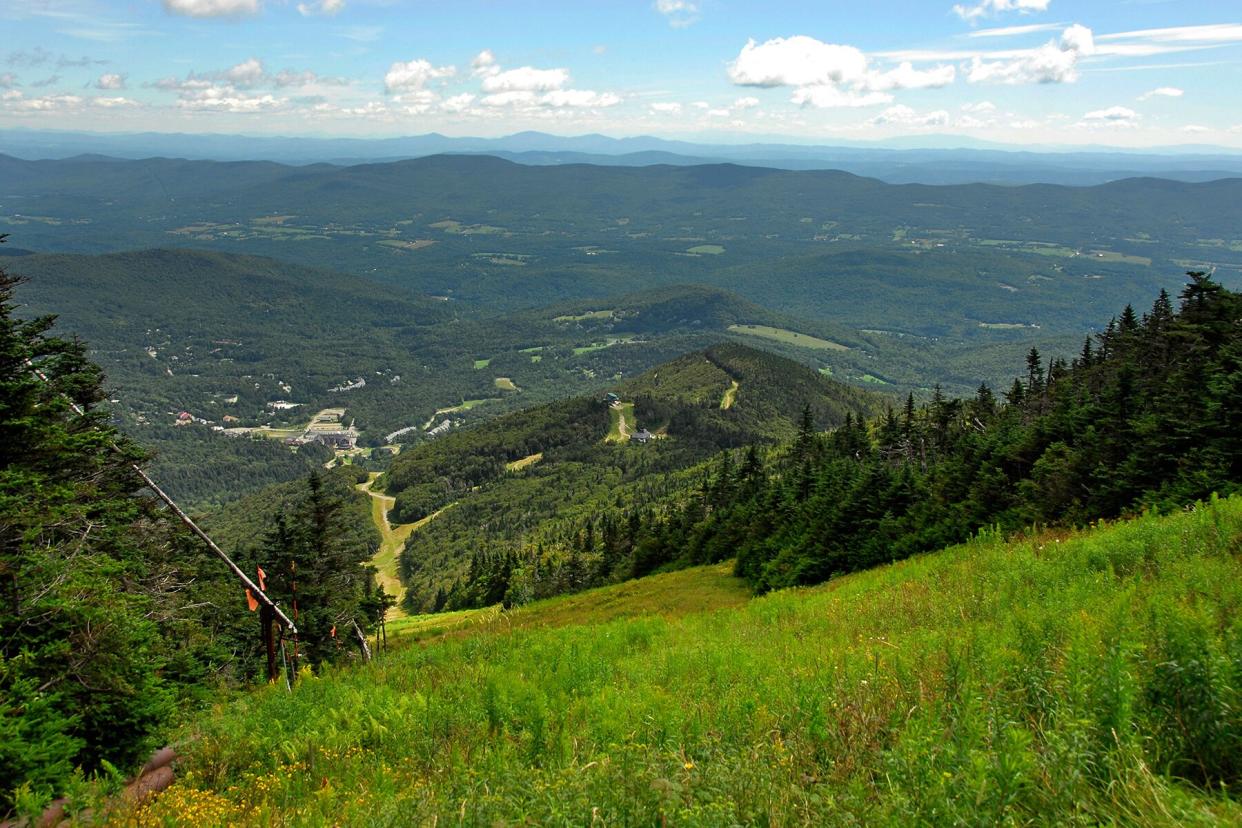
[393, 538]
[730, 396]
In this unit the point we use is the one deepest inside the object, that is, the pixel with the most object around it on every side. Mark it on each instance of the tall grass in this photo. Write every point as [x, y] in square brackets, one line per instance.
[1083, 679]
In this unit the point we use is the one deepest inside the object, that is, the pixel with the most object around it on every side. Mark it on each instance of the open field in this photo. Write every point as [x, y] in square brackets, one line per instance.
[788, 337]
[465, 405]
[505, 384]
[599, 346]
[525, 462]
[1063, 678]
[621, 423]
[480, 364]
[730, 396]
[706, 250]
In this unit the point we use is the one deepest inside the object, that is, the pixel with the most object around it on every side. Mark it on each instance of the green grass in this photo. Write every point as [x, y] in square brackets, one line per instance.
[1064, 679]
[621, 423]
[706, 250]
[599, 346]
[480, 364]
[505, 384]
[730, 396]
[788, 337]
[465, 405]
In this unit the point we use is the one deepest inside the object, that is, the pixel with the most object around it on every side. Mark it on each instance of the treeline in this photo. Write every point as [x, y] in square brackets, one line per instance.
[1148, 415]
[552, 529]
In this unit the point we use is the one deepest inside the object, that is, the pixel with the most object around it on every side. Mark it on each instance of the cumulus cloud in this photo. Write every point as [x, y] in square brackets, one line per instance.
[828, 74]
[16, 101]
[981, 106]
[458, 103]
[746, 103]
[526, 79]
[669, 107]
[110, 81]
[1162, 92]
[680, 13]
[114, 103]
[1054, 62]
[325, 7]
[1113, 116]
[414, 74]
[988, 8]
[212, 8]
[484, 64]
[1195, 129]
[901, 115]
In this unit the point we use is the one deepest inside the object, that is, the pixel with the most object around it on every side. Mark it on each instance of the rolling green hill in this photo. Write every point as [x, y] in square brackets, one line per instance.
[226, 337]
[499, 505]
[496, 235]
[1087, 677]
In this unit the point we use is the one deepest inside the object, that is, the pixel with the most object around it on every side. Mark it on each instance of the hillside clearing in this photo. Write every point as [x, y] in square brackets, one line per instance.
[524, 463]
[730, 396]
[1054, 679]
[788, 337]
[506, 384]
[620, 423]
[393, 538]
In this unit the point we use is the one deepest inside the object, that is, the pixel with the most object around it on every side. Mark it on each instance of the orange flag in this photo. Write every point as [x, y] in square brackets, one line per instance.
[251, 600]
[262, 577]
[334, 630]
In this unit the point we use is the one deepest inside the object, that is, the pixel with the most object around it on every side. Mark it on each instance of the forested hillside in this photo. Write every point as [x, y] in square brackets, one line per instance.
[1145, 417]
[577, 460]
[114, 620]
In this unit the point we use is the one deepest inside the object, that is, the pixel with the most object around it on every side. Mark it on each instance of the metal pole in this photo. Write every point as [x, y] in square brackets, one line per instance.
[259, 594]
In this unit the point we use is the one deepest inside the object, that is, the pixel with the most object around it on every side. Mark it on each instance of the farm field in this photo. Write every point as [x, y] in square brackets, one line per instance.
[788, 337]
[1045, 679]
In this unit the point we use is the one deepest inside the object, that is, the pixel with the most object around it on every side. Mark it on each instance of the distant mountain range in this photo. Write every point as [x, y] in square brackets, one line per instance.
[956, 160]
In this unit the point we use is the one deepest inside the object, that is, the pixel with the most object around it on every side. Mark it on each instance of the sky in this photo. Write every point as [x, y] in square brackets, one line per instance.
[1123, 73]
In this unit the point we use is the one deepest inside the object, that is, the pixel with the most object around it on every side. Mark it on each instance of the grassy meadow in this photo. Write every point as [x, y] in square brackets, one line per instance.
[1061, 678]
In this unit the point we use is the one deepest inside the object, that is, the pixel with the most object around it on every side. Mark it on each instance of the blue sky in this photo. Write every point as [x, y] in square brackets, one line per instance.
[1121, 73]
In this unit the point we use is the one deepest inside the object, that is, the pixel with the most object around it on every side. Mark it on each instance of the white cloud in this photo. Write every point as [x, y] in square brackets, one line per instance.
[1012, 31]
[1213, 33]
[247, 73]
[1195, 129]
[526, 79]
[110, 81]
[1113, 116]
[668, 108]
[901, 115]
[458, 103]
[981, 106]
[987, 8]
[701, 105]
[516, 98]
[484, 64]
[114, 103]
[8, 80]
[680, 13]
[1162, 92]
[414, 74]
[828, 74]
[718, 113]
[212, 8]
[326, 7]
[746, 103]
[1054, 62]
[831, 97]
[48, 103]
